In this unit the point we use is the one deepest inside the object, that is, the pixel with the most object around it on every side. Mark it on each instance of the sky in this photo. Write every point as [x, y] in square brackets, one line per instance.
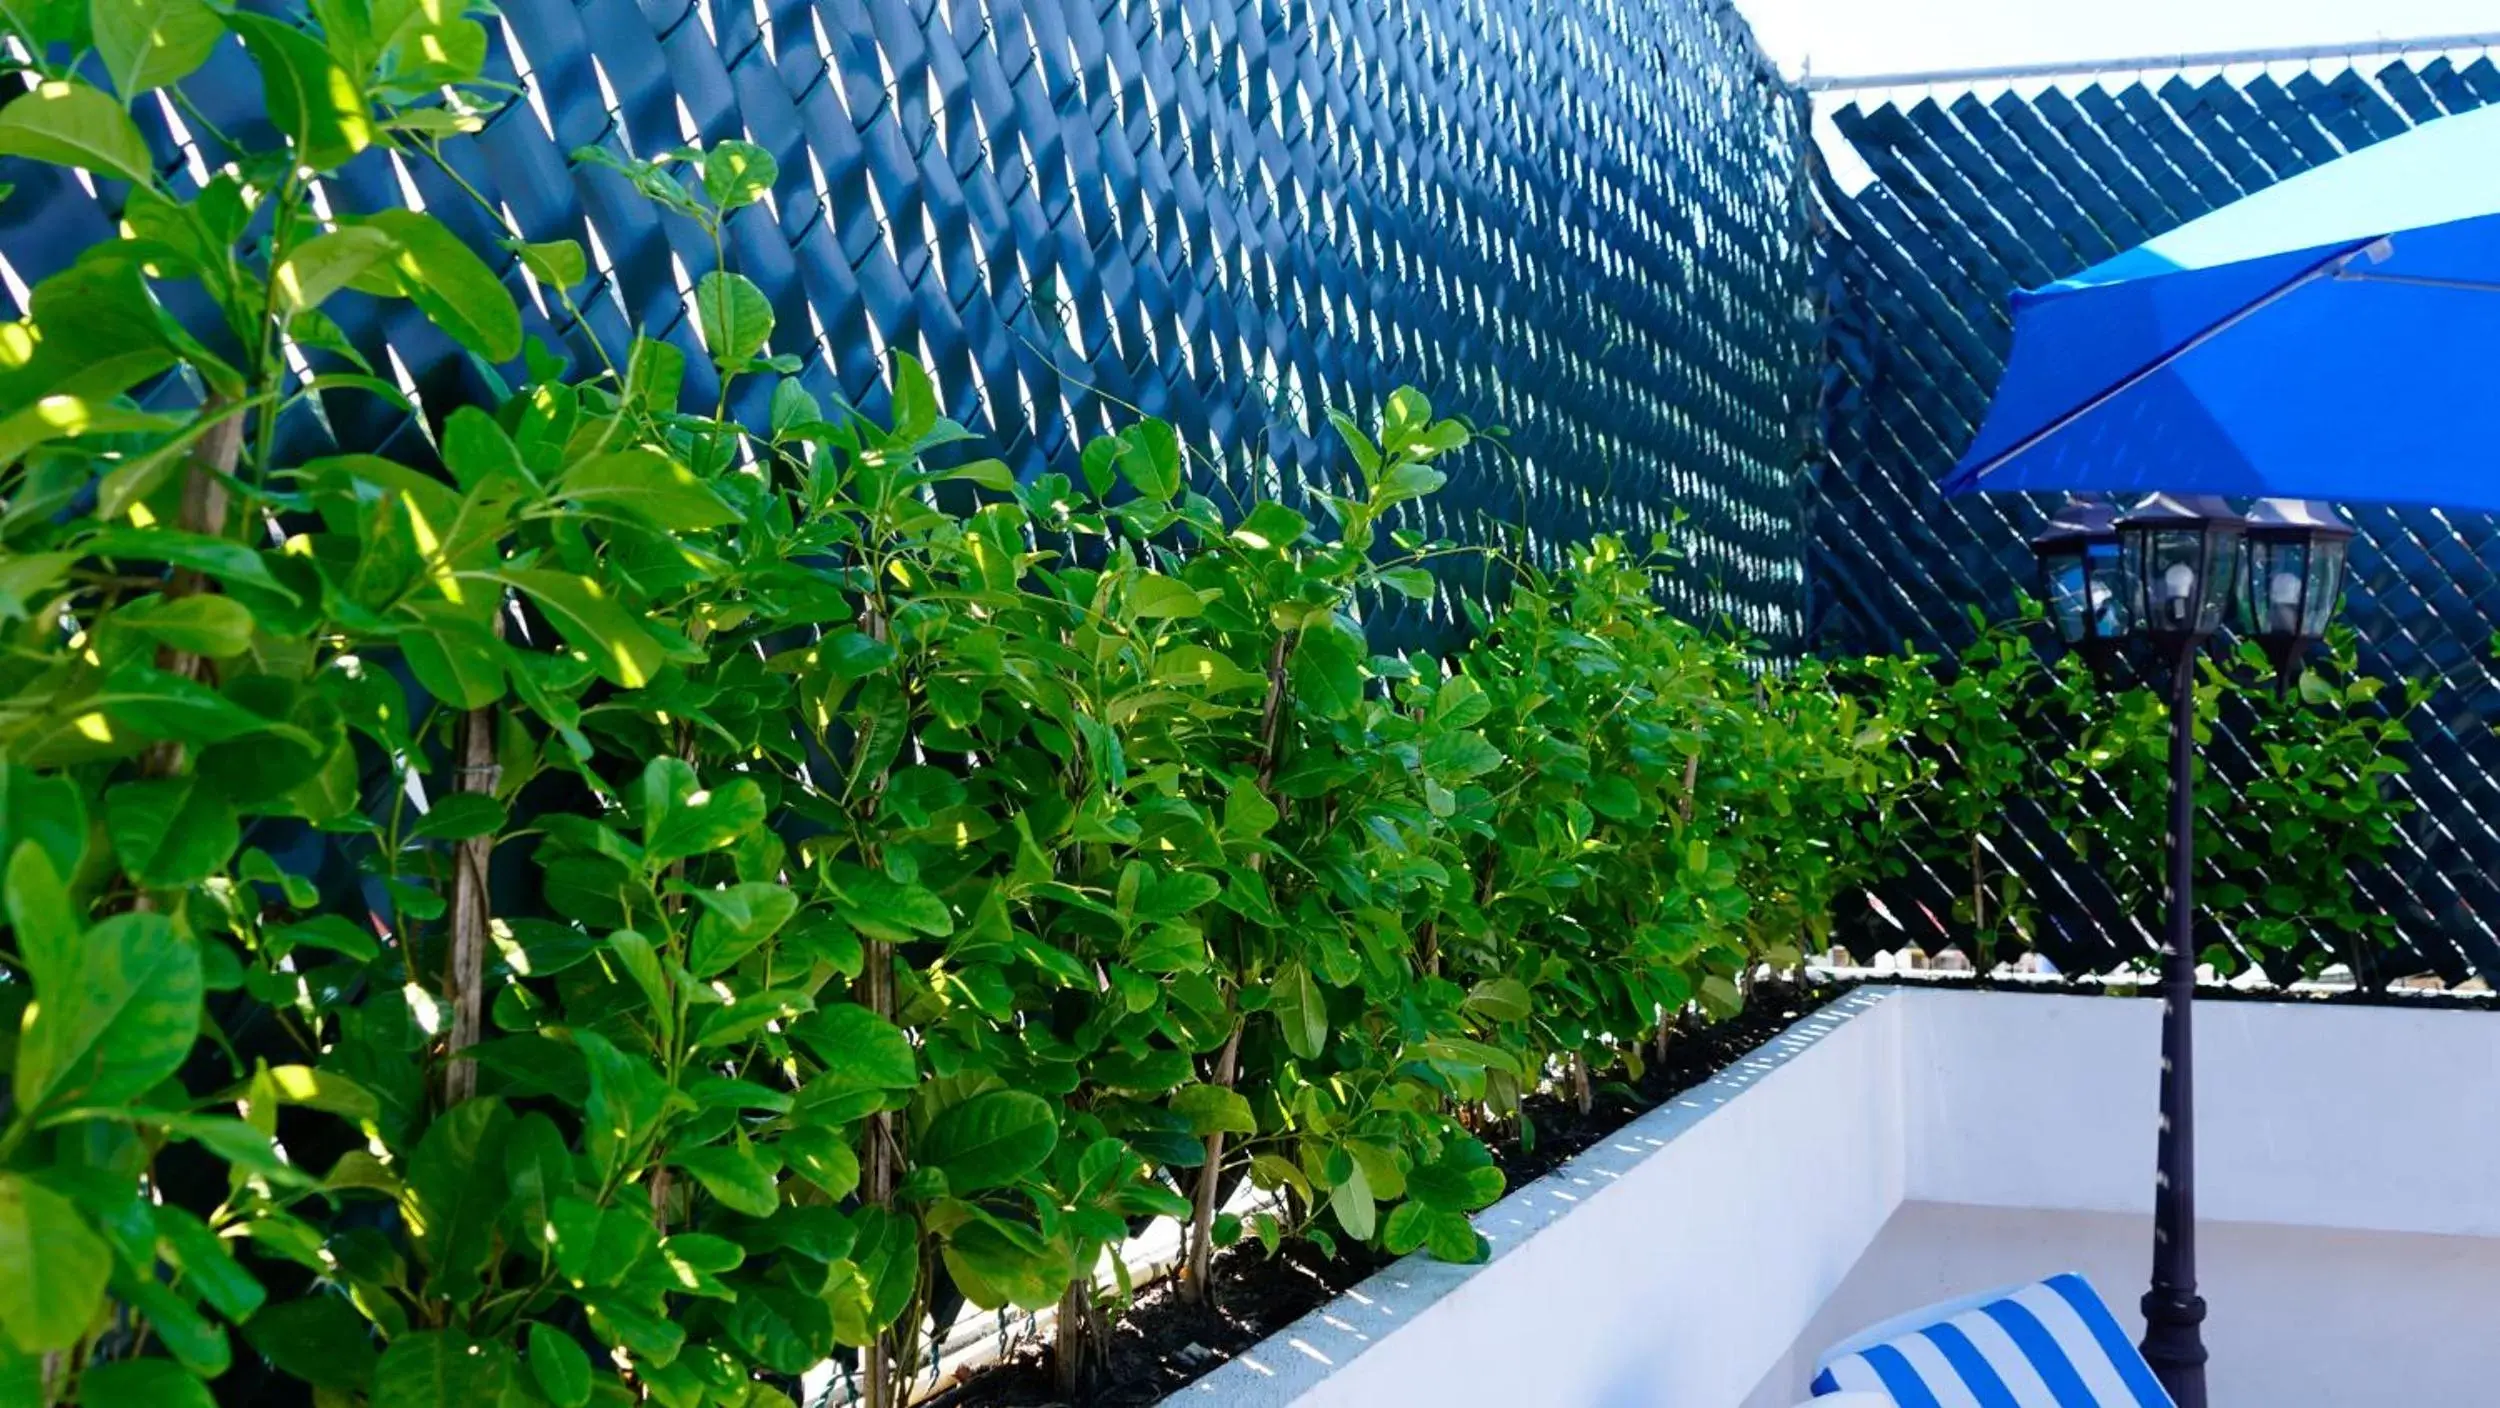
[1845, 37]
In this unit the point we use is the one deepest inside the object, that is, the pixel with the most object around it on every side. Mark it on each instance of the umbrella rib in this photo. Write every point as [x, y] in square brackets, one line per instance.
[2417, 281]
[2331, 265]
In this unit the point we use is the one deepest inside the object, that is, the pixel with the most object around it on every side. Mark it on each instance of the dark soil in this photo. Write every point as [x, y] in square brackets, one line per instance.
[1162, 1344]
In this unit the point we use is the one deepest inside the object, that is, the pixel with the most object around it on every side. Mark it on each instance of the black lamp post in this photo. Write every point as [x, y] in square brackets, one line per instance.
[2181, 557]
[2296, 554]
[2164, 573]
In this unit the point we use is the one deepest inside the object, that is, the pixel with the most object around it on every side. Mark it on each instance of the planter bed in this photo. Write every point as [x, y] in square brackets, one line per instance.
[1162, 1345]
[1911, 1142]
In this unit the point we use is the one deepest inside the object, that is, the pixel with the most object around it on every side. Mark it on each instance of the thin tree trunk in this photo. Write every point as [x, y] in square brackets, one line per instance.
[1978, 907]
[204, 505]
[1194, 1287]
[464, 968]
[884, 1363]
[1692, 784]
[1583, 1086]
[1077, 1348]
[882, 1168]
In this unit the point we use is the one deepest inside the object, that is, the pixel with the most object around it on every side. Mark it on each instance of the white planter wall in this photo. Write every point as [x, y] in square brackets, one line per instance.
[1671, 1264]
[1675, 1264]
[2377, 1119]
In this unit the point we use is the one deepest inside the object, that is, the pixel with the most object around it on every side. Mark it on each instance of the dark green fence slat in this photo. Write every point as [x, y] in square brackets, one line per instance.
[2097, 169]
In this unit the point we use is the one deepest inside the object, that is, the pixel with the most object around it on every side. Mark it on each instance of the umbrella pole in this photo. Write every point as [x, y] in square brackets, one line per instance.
[2174, 1343]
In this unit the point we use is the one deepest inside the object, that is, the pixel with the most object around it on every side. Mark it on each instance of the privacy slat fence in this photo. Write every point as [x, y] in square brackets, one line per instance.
[1580, 222]
[1973, 198]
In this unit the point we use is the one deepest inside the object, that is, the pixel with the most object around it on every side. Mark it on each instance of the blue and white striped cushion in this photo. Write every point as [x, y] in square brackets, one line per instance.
[2048, 1345]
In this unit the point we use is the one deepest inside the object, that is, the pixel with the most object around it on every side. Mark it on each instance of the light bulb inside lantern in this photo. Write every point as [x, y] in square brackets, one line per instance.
[2179, 591]
[2283, 591]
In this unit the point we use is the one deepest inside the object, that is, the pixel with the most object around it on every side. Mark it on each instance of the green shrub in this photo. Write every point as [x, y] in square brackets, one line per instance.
[2286, 815]
[659, 901]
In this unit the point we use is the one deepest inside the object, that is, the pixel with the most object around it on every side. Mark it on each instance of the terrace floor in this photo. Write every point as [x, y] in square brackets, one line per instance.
[2301, 1317]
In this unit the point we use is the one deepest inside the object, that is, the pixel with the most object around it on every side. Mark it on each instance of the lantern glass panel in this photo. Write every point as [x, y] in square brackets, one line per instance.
[2278, 586]
[2062, 576]
[2105, 587]
[2326, 584]
[2175, 591]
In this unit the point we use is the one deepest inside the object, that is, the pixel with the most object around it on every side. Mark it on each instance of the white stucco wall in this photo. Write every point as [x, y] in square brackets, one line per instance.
[1678, 1264]
[2366, 1118]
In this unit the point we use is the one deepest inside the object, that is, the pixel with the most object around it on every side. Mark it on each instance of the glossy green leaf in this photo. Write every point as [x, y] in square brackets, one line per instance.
[702, 820]
[456, 661]
[559, 263]
[1301, 1010]
[110, 1018]
[628, 1099]
[1212, 1109]
[645, 485]
[66, 418]
[170, 832]
[1327, 672]
[1413, 583]
[738, 174]
[822, 1157]
[441, 275]
[1462, 1180]
[319, 1339]
[147, 44]
[559, 1365]
[1153, 598]
[441, 1369]
[45, 810]
[459, 817]
[53, 1267]
[1351, 1201]
[230, 562]
[1150, 460]
[1501, 1000]
[735, 317]
[990, 1140]
[593, 622]
[1248, 813]
[456, 1191]
[218, 627]
[49, 932]
[307, 95]
[735, 922]
[735, 1174]
[859, 1049]
[326, 263]
[67, 123]
[207, 1264]
[142, 1383]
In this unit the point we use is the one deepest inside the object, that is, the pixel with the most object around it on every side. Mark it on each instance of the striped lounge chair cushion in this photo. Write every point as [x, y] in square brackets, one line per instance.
[2048, 1345]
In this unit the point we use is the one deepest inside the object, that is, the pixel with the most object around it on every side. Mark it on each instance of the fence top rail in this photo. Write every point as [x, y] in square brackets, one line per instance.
[2216, 58]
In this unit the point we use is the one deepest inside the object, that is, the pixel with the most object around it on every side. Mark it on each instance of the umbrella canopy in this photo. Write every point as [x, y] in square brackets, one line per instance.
[2334, 336]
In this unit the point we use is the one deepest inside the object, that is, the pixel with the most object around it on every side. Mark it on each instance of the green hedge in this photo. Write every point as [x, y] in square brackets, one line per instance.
[807, 875]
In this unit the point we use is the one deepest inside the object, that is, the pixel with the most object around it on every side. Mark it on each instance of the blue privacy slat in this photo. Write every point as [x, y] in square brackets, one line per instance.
[1583, 224]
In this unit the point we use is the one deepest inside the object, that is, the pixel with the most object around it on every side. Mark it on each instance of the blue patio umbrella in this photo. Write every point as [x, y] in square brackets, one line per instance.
[2334, 336]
